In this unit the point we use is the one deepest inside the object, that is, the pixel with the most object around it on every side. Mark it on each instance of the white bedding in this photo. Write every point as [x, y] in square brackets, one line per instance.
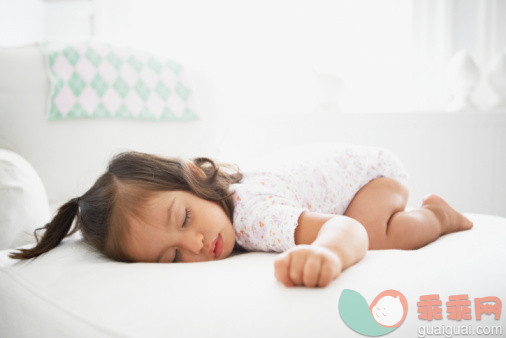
[74, 291]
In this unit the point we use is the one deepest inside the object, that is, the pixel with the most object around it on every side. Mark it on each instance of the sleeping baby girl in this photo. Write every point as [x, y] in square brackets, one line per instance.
[321, 211]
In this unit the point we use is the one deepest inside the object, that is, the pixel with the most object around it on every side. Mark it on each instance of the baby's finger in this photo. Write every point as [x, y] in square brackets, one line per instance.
[312, 270]
[328, 271]
[296, 267]
[281, 270]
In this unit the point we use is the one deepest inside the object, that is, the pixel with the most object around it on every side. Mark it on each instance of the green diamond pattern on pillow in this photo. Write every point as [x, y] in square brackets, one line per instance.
[114, 60]
[162, 90]
[121, 87]
[155, 65]
[99, 85]
[76, 83]
[72, 55]
[142, 90]
[93, 57]
[98, 80]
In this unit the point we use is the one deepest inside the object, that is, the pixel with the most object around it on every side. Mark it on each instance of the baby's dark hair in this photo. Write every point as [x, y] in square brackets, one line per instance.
[130, 180]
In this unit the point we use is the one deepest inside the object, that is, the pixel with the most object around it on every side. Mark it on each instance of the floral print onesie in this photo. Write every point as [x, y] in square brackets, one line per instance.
[321, 178]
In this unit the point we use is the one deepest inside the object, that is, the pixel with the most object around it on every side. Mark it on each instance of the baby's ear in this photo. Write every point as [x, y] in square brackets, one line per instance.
[196, 169]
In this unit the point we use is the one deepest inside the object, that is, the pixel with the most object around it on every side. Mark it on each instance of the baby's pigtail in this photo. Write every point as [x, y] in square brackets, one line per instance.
[56, 230]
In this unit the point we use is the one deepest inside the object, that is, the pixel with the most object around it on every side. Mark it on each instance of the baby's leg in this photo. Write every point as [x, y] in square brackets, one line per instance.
[416, 228]
[380, 205]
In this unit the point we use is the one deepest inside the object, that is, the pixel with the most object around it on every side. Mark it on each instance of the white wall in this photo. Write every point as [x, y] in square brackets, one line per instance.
[263, 54]
[21, 21]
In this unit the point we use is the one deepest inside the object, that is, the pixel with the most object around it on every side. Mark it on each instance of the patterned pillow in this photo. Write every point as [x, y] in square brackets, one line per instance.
[94, 80]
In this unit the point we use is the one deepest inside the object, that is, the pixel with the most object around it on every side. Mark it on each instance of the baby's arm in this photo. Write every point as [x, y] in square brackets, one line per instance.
[325, 245]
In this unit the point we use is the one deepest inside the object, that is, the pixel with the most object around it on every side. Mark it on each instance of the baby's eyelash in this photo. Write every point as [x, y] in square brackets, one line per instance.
[188, 216]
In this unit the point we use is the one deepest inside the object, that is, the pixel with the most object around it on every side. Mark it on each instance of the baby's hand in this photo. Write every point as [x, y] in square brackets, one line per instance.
[308, 265]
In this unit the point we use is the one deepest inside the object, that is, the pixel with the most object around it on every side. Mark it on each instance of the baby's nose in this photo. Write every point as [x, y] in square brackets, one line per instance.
[194, 243]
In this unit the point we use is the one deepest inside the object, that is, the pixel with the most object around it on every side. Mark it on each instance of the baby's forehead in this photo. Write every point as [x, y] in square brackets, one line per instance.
[141, 217]
[134, 189]
[143, 201]
[141, 205]
[132, 195]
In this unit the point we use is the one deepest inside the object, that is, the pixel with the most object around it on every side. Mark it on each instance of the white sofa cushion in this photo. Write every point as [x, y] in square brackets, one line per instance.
[23, 201]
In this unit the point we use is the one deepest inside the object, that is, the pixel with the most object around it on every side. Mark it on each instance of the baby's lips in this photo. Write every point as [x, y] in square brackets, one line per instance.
[212, 246]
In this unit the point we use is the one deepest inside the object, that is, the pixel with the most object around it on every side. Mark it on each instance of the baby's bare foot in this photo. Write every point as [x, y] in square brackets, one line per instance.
[453, 220]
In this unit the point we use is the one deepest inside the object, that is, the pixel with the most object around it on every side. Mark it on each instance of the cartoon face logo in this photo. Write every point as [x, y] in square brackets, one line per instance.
[387, 308]
[386, 312]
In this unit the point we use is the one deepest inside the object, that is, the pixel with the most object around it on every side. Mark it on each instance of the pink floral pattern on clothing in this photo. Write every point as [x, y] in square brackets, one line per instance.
[268, 201]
